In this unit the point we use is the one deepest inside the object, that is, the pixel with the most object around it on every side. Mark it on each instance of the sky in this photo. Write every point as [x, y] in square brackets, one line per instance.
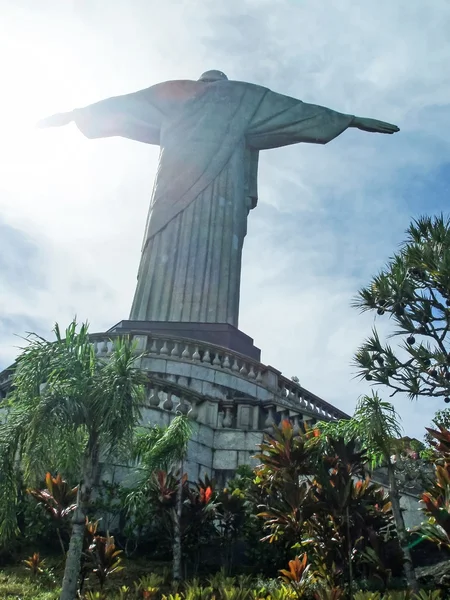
[72, 210]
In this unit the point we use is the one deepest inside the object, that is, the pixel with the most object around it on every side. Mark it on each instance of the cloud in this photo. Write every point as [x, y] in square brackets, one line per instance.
[20, 262]
[73, 210]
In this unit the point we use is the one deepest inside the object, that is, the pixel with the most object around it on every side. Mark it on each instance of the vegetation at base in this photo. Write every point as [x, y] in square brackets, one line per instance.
[296, 582]
[375, 426]
[16, 586]
[307, 517]
[436, 499]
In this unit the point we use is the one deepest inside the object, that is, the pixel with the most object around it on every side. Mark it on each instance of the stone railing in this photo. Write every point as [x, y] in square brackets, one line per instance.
[187, 350]
[222, 359]
[308, 400]
[233, 380]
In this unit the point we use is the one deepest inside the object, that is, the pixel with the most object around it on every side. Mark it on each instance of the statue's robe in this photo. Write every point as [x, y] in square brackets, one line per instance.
[210, 134]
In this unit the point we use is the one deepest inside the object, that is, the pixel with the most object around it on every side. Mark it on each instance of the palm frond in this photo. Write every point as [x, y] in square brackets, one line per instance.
[159, 450]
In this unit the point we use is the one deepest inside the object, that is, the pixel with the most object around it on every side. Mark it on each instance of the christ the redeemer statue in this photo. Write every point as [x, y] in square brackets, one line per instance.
[210, 133]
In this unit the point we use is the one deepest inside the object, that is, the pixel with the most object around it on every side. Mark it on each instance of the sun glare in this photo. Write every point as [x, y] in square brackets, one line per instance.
[40, 80]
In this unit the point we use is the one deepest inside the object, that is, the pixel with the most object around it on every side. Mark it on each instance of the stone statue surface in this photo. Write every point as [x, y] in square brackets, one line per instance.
[210, 133]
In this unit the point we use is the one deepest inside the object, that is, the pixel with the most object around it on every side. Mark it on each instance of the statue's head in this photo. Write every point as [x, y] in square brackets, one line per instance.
[213, 76]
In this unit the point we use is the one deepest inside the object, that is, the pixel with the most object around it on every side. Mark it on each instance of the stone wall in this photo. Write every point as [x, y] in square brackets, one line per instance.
[213, 452]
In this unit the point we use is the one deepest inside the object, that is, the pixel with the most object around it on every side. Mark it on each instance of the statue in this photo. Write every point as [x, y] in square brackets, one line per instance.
[210, 133]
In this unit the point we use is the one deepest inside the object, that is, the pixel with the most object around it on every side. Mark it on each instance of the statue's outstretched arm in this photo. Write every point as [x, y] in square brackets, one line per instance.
[57, 120]
[373, 126]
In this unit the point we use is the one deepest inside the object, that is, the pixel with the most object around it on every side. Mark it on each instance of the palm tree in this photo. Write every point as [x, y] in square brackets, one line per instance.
[375, 425]
[163, 448]
[68, 406]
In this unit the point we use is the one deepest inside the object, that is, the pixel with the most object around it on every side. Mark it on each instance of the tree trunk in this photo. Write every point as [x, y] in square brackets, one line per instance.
[177, 530]
[349, 550]
[61, 542]
[73, 559]
[401, 529]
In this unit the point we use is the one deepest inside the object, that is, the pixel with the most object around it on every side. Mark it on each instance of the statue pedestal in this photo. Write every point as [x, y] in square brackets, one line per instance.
[219, 334]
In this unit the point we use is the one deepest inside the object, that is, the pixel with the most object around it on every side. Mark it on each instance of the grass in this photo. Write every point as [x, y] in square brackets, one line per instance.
[16, 583]
[20, 586]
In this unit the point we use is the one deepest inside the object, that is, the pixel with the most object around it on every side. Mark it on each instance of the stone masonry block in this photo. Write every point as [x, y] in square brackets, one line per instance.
[192, 469]
[253, 462]
[263, 394]
[245, 387]
[208, 389]
[225, 459]
[200, 454]
[178, 368]
[204, 435]
[155, 365]
[156, 417]
[252, 439]
[243, 457]
[202, 373]
[245, 416]
[223, 378]
[196, 385]
[224, 440]
[219, 392]
[204, 471]
[208, 413]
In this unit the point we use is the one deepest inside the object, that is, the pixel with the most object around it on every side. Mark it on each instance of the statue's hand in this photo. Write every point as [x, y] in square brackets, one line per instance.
[57, 120]
[373, 126]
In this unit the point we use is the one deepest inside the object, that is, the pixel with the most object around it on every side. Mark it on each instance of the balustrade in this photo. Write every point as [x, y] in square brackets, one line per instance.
[282, 390]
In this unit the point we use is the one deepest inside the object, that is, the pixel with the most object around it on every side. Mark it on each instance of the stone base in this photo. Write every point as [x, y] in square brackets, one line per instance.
[219, 334]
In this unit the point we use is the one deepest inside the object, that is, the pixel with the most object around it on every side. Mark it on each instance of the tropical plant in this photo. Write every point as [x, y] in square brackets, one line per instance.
[90, 533]
[159, 450]
[200, 520]
[280, 592]
[414, 290]
[220, 580]
[288, 501]
[436, 499]
[329, 593]
[237, 508]
[58, 500]
[94, 595]
[367, 595]
[312, 499]
[175, 596]
[124, 592]
[148, 586]
[355, 523]
[68, 405]
[297, 574]
[235, 593]
[441, 417]
[35, 564]
[428, 595]
[231, 516]
[105, 558]
[194, 591]
[375, 426]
